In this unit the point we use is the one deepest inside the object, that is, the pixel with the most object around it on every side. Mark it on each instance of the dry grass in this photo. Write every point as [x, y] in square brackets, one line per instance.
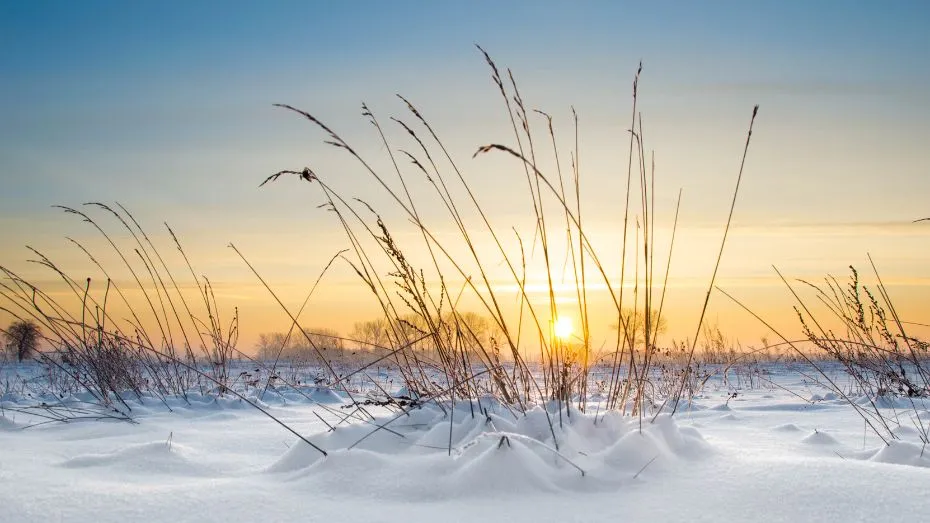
[887, 367]
[148, 351]
[427, 289]
[418, 301]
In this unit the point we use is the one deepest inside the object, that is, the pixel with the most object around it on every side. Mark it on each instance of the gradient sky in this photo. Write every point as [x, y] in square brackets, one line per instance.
[166, 108]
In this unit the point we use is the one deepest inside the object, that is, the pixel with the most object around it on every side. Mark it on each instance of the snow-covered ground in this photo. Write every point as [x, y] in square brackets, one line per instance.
[768, 454]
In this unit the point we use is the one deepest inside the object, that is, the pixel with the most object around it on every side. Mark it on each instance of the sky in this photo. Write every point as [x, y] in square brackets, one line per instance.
[166, 108]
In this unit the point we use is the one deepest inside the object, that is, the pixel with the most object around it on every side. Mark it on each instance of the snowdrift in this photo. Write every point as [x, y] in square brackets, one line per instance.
[437, 452]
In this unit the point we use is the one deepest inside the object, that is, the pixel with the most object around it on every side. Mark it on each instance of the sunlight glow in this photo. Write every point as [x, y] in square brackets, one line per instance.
[562, 328]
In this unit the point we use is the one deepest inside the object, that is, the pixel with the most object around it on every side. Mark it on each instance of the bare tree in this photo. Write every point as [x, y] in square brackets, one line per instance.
[375, 332]
[22, 338]
[298, 349]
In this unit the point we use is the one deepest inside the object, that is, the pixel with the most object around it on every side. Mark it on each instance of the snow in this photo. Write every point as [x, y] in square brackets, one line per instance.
[766, 454]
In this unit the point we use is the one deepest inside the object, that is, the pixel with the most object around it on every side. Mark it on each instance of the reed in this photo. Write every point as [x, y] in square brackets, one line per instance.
[412, 281]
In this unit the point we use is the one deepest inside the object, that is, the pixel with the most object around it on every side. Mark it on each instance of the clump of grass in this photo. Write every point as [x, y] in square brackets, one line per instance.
[421, 286]
[91, 349]
[864, 334]
[416, 294]
[873, 347]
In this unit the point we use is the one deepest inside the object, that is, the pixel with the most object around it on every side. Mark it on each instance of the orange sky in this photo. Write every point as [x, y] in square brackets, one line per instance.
[177, 125]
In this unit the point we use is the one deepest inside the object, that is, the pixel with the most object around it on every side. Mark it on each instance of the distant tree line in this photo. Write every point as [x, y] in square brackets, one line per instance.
[375, 337]
[297, 348]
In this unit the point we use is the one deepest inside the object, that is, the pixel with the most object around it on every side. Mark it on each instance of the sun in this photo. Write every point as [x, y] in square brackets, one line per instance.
[562, 328]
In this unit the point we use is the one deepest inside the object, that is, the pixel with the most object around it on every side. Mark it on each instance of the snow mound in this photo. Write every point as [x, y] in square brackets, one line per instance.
[819, 438]
[7, 424]
[325, 395]
[298, 456]
[663, 439]
[156, 457]
[498, 464]
[905, 432]
[887, 401]
[900, 453]
[682, 405]
[219, 416]
[441, 452]
[787, 427]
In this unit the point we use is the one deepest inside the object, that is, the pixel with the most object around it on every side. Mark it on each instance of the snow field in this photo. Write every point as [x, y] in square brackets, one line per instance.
[765, 455]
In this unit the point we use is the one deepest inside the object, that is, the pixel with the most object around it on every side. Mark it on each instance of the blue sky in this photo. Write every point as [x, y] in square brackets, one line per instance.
[166, 107]
[167, 76]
